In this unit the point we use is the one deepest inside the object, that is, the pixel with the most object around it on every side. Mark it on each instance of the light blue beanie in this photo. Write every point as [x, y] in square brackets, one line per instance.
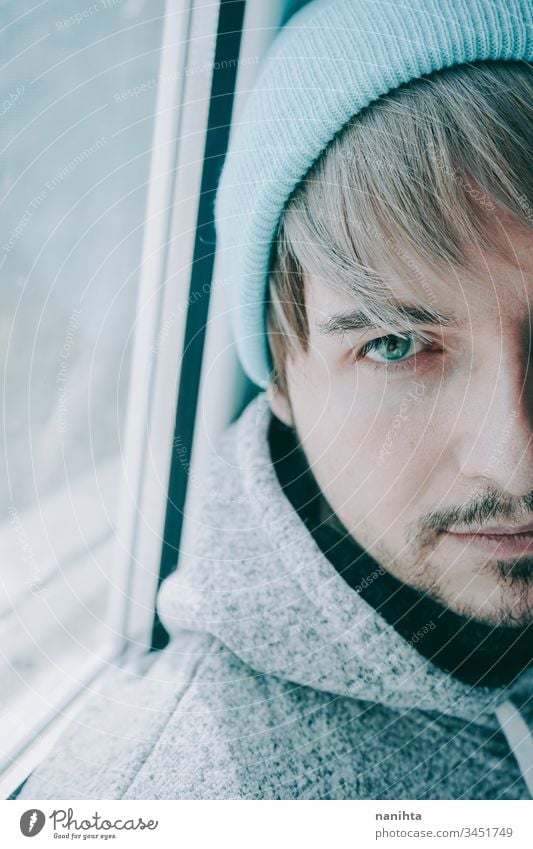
[331, 59]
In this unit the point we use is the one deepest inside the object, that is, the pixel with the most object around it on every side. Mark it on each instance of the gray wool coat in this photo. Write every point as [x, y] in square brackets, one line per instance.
[280, 681]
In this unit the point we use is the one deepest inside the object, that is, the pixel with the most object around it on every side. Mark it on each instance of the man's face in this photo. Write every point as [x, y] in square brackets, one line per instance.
[417, 438]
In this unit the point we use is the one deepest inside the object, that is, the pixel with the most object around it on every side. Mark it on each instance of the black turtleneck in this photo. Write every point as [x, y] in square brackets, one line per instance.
[474, 652]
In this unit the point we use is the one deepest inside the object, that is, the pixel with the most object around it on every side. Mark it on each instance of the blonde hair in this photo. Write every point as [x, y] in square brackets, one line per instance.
[416, 172]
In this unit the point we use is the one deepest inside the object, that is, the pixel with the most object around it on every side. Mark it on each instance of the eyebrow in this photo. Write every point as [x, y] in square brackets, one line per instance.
[358, 320]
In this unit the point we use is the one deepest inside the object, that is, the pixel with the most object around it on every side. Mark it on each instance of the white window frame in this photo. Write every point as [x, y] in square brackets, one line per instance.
[224, 388]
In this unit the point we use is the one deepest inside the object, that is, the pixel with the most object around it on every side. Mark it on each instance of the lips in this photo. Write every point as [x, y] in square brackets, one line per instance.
[498, 540]
[496, 530]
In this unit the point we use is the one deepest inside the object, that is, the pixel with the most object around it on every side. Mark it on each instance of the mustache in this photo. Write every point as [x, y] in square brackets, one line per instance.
[488, 506]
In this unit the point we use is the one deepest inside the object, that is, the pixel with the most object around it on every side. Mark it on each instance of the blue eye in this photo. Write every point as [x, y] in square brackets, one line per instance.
[391, 348]
[393, 353]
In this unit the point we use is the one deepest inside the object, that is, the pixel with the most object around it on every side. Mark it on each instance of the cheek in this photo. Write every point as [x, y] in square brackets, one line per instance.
[367, 442]
[364, 454]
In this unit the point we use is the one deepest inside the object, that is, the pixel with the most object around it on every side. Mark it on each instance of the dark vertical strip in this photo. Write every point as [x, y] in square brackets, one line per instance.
[227, 47]
[16, 792]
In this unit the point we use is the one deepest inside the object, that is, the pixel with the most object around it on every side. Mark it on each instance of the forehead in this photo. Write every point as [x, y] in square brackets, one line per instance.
[498, 279]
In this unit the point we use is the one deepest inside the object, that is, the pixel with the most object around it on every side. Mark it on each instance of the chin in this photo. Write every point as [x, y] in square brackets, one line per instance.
[515, 612]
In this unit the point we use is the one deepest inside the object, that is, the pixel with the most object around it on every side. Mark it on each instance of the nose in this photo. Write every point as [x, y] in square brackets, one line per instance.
[495, 430]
